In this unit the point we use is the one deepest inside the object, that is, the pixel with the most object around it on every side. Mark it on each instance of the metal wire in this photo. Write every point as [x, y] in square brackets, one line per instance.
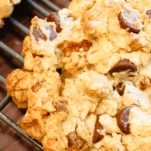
[37, 7]
[2, 79]
[4, 102]
[19, 25]
[50, 5]
[11, 52]
[19, 130]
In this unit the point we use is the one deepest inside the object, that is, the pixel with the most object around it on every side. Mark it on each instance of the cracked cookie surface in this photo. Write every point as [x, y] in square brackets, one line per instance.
[86, 80]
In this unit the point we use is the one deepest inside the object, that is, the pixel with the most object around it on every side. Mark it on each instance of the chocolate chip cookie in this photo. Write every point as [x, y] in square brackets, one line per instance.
[86, 80]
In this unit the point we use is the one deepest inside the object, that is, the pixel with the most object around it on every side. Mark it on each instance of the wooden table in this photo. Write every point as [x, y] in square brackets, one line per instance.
[10, 140]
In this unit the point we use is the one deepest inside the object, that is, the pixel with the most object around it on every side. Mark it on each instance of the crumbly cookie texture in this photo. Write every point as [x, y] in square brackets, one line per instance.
[6, 8]
[86, 79]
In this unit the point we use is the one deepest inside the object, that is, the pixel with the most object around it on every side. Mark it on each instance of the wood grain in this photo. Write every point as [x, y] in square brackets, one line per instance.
[10, 140]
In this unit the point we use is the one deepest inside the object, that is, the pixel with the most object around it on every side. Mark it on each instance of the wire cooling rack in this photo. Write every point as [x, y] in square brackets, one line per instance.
[40, 8]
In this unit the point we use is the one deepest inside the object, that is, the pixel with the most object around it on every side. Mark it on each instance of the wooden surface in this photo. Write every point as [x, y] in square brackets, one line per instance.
[10, 140]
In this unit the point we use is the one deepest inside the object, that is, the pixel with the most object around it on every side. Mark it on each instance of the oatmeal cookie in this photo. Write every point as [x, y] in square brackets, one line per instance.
[86, 79]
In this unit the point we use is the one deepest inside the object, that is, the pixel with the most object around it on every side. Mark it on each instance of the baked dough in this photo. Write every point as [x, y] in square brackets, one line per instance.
[86, 79]
[6, 8]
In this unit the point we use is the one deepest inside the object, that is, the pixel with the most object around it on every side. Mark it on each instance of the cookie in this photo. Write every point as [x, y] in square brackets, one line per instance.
[6, 8]
[86, 79]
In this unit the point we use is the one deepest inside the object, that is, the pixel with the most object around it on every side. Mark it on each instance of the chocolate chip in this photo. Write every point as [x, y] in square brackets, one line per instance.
[75, 141]
[96, 136]
[123, 65]
[37, 33]
[148, 12]
[54, 17]
[122, 120]
[59, 71]
[127, 20]
[120, 90]
[52, 35]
